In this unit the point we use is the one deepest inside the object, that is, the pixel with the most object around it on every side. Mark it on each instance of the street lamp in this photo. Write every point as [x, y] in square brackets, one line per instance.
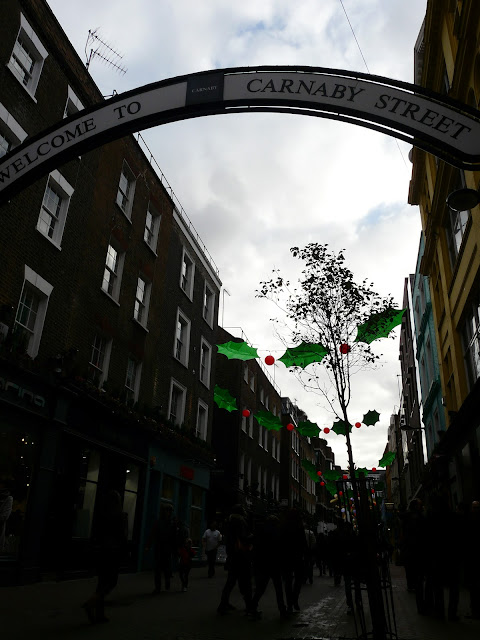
[463, 199]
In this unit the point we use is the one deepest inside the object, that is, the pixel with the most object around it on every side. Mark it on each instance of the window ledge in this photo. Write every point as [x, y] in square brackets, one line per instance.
[139, 324]
[20, 82]
[209, 323]
[207, 386]
[186, 294]
[150, 247]
[185, 364]
[123, 212]
[55, 244]
[109, 296]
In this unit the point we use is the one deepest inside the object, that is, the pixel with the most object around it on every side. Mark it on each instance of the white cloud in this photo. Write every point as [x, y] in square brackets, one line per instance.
[255, 185]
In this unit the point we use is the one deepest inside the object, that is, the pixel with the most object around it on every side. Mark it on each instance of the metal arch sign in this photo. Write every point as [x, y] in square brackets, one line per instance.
[444, 127]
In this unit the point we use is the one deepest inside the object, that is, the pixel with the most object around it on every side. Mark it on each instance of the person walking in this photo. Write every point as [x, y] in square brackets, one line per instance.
[6, 503]
[413, 551]
[294, 558]
[111, 539]
[210, 541]
[310, 554]
[185, 557]
[164, 539]
[238, 565]
[267, 552]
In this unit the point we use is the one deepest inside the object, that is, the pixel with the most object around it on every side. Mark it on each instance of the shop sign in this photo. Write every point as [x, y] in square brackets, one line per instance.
[21, 395]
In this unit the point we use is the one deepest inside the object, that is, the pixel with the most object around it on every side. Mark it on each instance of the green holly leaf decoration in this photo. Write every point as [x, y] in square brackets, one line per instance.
[310, 469]
[223, 399]
[331, 487]
[359, 471]
[268, 420]
[237, 351]
[379, 325]
[308, 429]
[331, 475]
[341, 427]
[371, 417]
[303, 355]
[387, 459]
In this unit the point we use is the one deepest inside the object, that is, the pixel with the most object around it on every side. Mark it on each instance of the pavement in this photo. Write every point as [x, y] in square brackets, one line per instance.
[52, 611]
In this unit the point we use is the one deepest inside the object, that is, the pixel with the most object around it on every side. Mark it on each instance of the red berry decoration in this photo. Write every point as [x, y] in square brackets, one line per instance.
[372, 490]
[319, 473]
[326, 430]
[344, 348]
[245, 413]
[340, 493]
[322, 484]
[269, 360]
[345, 477]
[290, 427]
[374, 469]
[358, 424]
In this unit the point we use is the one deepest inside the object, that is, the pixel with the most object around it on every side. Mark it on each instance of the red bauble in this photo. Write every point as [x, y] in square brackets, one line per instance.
[245, 413]
[344, 348]
[326, 430]
[322, 484]
[372, 490]
[374, 469]
[290, 427]
[345, 477]
[319, 473]
[358, 424]
[340, 493]
[269, 360]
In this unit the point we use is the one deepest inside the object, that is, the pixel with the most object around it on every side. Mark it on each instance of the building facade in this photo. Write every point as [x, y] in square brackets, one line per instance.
[108, 314]
[447, 60]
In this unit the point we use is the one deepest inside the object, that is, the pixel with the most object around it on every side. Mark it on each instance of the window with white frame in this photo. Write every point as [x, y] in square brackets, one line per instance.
[176, 405]
[457, 223]
[32, 310]
[73, 104]
[274, 410]
[187, 274]
[54, 210]
[471, 341]
[112, 274]
[265, 440]
[152, 227]
[205, 362]
[132, 379]
[11, 133]
[202, 420]
[274, 445]
[182, 338]
[28, 56]
[262, 395]
[260, 435]
[208, 304]
[250, 425]
[267, 402]
[99, 359]
[245, 373]
[126, 190]
[252, 381]
[142, 300]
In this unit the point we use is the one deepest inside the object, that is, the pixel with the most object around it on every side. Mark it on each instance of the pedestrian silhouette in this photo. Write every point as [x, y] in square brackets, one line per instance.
[295, 552]
[210, 541]
[164, 538]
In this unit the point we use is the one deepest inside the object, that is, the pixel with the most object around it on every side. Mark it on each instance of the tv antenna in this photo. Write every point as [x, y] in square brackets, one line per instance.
[102, 50]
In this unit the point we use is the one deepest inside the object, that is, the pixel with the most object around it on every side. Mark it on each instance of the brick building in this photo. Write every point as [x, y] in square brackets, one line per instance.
[108, 313]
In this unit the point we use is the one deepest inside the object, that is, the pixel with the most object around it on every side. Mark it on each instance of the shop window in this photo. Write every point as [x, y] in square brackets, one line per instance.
[87, 492]
[130, 495]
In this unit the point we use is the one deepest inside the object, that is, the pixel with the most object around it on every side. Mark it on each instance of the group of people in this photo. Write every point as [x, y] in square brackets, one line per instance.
[280, 551]
[440, 549]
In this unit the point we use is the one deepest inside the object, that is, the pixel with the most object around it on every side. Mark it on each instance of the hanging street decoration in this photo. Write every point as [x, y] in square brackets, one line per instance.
[223, 399]
[268, 420]
[341, 427]
[237, 351]
[269, 360]
[303, 355]
[358, 424]
[308, 429]
[379, 325]
[371, 417]
[326, 430]
[290, 426]
[245, 413]
[344, 348]
[387, 459]
[310, 469]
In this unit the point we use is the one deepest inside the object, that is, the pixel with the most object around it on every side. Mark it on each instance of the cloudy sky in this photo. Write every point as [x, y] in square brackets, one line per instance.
[255, 185]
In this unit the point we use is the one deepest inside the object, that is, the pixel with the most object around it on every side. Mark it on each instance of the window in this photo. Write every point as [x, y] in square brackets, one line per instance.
[205, 362]
[11, 133]
[244, 421]
[267, 402]
[471, 342]
[99, 359]
[53, 213]
[27, 57]
[176, 406]
[245, 373]
[262, 395]
[260, 435]
[182, 338]
[31, 311]
[126, 190]
[152, 227]
[132, 379]
[112, 275]
[241, 472]
[265, 440]
[202, 420]
[250, 425]
[187, 275]
[457, 223]
[274, 445]
[208, 305]
[142, 301]
[252, 381]
[249, 472]
[73, 104]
